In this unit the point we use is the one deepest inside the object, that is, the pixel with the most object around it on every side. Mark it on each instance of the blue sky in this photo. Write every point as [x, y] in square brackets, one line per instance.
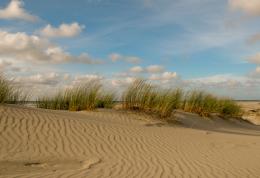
[207, 44]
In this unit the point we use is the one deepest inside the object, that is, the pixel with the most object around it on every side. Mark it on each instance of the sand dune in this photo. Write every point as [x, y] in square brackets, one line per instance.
[44, 143]
[252, 111]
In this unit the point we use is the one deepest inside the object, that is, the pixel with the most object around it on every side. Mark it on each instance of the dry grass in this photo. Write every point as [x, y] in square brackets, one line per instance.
[204, 103]
[143, 96]
[11, 94]
[106, 100]
[83, 97]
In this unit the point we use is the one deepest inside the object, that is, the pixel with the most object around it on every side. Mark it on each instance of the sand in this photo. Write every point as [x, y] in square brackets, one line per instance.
[252, 111]
[106, 143]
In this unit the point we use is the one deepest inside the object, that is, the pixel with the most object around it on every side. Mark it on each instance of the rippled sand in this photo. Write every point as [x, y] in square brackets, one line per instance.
[45, 143]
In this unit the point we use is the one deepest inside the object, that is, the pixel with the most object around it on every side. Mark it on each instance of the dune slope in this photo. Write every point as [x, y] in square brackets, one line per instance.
[44, 143]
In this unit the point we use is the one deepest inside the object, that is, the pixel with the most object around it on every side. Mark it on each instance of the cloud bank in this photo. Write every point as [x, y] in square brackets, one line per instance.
[14, 10]
[24, 47]
[115, 57]
[148, 69]
[63, 31]
[250, 7]
[255, 59]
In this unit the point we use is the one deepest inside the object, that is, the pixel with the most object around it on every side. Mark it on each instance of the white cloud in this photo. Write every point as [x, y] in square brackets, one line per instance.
[64, 30]
[46, 84]
[12, 66]
[15, 10]
[254, 59]
[80, 79]
[49, 79]
[228, 85]
[23, 47]
[148, 69]
[256, 73]
[136, 69]
[250, 7]
[54, 79]
[164, 77]
[115, 57]
[258, 70]
[169, 75]
[130, 59]
[155, 69]
[122, 82]
[221, 80]
[4, 65]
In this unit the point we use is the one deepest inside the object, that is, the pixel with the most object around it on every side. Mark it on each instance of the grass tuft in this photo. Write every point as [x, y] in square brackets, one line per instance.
[10, 94]
[106, 100]
[143, 96]
[167, 101]
[83, 97]
[4, 89]
[204, 103]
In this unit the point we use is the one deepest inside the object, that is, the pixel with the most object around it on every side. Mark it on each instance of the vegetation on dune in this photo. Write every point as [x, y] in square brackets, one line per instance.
[105, 100]
[140, 95]
[230, 108]
[10, 94]
[58, 102]
[4, 90]
[145, 97]
[83, 97]
[167, 101]
[204, 103]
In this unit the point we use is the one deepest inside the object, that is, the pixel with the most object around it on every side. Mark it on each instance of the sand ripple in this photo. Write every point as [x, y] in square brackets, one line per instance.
[43, 143]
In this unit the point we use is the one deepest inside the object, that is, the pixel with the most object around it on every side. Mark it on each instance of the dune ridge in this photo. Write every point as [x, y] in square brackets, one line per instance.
[45, 143]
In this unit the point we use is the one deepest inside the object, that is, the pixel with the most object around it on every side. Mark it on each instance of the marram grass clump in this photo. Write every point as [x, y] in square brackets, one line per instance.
[60, 101]
[105, 100]
[83, 97]
[143, 96]
[204, 104]
[167, 101]
[230, 108]
[11, 94]
[139, 96]
[4, 89]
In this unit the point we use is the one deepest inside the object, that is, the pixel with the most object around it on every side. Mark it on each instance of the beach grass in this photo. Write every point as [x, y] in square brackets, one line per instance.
[143, 96]
[230, 108]
[204, 104]
[167, 101]
[11, 94]
[83, 97]
[4, 89]
[106, 100]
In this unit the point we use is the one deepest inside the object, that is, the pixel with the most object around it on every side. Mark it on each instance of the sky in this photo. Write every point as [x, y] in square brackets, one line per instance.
[211, 45]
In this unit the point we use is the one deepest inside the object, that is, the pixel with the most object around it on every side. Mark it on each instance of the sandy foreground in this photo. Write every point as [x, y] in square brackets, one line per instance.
[44, 143]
